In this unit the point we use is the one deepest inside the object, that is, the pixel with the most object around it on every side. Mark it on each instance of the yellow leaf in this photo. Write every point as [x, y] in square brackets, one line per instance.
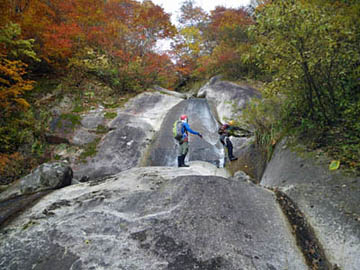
[334, 165]
[22, 102]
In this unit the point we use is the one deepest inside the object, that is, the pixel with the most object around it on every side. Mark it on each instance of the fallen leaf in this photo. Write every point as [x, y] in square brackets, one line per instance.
[334, 165]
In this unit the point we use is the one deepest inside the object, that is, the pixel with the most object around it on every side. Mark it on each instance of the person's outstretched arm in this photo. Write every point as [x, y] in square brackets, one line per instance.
[243, 132]
[187, 127]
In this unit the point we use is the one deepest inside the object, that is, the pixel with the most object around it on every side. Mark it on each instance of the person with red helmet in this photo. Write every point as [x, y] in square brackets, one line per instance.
[184, 141]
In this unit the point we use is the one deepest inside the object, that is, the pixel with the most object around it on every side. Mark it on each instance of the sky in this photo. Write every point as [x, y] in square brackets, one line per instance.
[173, 6]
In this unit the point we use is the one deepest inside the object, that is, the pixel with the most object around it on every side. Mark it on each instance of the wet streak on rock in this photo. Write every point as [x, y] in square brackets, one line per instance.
[11, 208]
[305, 236]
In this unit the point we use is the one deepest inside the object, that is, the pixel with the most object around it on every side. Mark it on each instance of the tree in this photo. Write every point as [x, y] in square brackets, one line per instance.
[311, 50]
[192, 15]
[13, 86]
[210, 44]
[12, 71]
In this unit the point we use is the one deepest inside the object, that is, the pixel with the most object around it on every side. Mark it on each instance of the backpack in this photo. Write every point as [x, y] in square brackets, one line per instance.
[177, 130]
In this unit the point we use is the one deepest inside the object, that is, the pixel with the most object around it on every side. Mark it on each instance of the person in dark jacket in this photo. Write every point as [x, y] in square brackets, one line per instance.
[184, 142]
[225, 131]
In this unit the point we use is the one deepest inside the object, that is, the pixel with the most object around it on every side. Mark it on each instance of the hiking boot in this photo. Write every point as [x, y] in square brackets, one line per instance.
[232, 158]
[182, 161]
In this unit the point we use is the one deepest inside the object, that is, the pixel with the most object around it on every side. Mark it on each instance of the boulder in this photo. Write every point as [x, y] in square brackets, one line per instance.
[224, 95]
[61, 130]
[328, 200]
[131, 133]
[153, 218]
[46, 177]
[70, 128]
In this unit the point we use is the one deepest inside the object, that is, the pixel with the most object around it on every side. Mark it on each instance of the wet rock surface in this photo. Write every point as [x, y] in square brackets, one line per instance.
[10, 208]
[305, 236]
[153, 218]
[328, 200]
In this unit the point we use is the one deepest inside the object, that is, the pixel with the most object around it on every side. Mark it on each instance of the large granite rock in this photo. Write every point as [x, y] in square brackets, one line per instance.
[46, 177]
[329, 201]
[224, 97]
[153, 218]
[131, 133]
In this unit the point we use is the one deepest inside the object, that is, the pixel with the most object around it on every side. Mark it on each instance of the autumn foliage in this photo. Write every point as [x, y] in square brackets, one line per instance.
[210, 44]
[123, 30]
[113, 40]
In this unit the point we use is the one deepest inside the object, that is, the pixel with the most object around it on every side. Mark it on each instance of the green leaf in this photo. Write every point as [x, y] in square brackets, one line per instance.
[334, 165]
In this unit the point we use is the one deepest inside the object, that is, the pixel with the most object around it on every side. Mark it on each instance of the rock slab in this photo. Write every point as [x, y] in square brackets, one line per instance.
[153, 218]
[329, 201]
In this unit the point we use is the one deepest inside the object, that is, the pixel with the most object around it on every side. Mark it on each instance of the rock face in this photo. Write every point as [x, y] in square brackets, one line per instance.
[164, 148]
[153, 218]
[250, 158]
[93, 119]
[86, 133]
[223, 95]
[83, 136]
[226, 100]
[67, 128]
[47, 176]
[131, 133]
[167, 218]
[329, 201]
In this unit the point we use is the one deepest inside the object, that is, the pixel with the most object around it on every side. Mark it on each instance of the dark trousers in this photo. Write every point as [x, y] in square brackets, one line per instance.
[225, 140]
[182, 152]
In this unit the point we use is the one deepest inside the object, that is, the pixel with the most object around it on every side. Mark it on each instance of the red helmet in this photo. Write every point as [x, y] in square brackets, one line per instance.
[183, 117]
